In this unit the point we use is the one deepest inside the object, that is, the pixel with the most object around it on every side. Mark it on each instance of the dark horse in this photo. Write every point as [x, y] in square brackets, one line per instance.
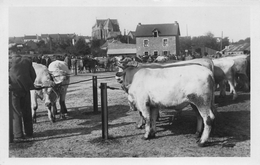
[90, 64]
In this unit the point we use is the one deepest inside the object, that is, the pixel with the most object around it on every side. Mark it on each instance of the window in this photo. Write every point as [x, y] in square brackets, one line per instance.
[155, 34]
[165, 53]
[155, 53]
[146, 43]
[165, 42]
[146, 53]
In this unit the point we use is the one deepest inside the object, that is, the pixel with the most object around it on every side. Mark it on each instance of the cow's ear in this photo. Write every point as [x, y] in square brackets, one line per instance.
[120, 74]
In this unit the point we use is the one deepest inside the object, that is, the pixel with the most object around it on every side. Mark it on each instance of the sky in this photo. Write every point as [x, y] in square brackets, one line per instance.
[232, 20]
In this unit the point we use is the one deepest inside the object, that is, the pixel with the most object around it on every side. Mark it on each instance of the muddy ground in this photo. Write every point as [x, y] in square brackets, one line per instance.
[80, 134]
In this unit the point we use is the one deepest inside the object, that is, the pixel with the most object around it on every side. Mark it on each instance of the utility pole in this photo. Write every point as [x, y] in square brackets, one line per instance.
[221, 41]
[187, 30]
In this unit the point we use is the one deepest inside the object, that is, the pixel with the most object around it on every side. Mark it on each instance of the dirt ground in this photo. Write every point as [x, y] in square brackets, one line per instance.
[80, 134]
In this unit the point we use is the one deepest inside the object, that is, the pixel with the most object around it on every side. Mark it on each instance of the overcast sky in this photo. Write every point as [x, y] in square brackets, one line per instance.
[233, 20]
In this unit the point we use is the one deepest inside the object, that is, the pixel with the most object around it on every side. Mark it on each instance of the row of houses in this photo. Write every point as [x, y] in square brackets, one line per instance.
[46, 38]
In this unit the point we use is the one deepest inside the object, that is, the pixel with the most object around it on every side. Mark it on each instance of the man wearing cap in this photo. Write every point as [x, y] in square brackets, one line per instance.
[21, 80]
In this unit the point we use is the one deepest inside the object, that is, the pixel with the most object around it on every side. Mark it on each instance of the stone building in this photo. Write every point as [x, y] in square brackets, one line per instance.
[157, 39]
[105, 29]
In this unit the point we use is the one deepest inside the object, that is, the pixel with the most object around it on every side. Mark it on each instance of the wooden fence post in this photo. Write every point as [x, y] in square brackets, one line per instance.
[95, 94]
[104, 111]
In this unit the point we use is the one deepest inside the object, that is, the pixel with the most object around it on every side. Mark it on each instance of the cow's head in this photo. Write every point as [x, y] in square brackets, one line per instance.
[59, 76]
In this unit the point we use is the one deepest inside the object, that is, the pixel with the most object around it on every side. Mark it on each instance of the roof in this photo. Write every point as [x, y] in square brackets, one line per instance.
[33, 37]
[105, 45]
[132, 32]
[64, 36]
[16, 40]
[109, 23]
[238, 47]
[121, 48]
[171, 29]
[54, 36]
[44, 35]
[121, 51]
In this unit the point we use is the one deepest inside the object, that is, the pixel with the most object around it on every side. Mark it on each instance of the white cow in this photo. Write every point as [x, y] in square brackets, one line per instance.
[240, 68]
[161, 59]
[125, 77]
[175, 88]
[226, 66]
[43, 79]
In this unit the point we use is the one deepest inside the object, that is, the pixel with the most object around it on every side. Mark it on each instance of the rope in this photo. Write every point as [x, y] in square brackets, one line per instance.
[113, 88]
[39, 88]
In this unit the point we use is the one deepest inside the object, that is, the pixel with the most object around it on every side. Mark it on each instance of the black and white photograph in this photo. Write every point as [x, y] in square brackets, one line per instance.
[123, 82]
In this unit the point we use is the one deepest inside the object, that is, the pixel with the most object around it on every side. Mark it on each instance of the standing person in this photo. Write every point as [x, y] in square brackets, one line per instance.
[21, 80]
[67, 60]
[39, 59]
[48, 61]
[43, 60]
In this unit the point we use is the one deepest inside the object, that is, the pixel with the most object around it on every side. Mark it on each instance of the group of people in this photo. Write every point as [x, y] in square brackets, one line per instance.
[42, 59]
[21, 80]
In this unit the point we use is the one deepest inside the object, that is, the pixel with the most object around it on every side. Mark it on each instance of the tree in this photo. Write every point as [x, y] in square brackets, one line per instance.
[95, 47]
[82, 47]
[185, 44]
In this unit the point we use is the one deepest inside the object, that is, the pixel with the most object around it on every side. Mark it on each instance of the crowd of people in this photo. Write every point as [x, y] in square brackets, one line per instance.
[42, 59]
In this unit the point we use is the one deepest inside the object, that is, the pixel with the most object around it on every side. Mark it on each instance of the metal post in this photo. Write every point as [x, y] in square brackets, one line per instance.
[95, 94]
[11, 136]
[104, 110]
[75, 67]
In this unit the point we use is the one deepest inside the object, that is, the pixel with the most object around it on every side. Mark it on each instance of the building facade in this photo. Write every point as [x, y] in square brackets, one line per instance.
[34, 38]
[105, 29]
[157, 39]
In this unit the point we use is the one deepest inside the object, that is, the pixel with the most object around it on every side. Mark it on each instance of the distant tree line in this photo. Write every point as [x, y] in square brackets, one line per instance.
[93, 48]
[208, 40]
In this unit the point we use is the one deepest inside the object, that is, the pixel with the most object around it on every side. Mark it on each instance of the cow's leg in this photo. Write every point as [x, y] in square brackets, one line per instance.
[50, 115]
[141, 122]
[34, 104]
[222, 88]
[147, 116]
[199, 121]
[231, 82]
[154, 115]
[49, 106]
[232, 90]
[208, 118]
[54, 109]
[245, 81]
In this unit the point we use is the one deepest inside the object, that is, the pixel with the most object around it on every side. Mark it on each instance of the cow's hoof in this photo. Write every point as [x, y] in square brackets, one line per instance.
[152, 135]
[145, 138]
[53, 120]
[197, 135]
[201, 144]
[62, 116]
[139, 126]
[234, 97]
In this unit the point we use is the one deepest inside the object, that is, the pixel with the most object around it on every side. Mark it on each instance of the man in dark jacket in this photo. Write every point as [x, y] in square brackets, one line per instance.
[48, 61]
[21, 80]
[67, 60]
